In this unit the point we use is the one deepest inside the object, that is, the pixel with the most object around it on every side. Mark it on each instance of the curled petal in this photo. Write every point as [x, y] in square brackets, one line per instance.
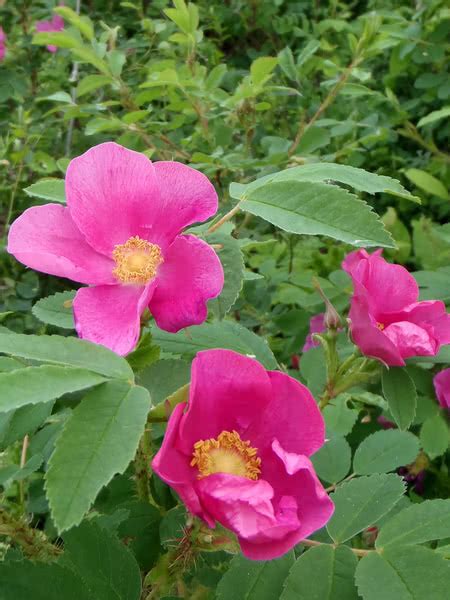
[46, 239]
[190, 275]
[110, 315]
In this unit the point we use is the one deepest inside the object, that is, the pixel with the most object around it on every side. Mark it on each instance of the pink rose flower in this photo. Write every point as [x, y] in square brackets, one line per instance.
[120, 234]
[316, 325]
[56, 24]
[237, 453]
[387, 322]
[2, 44]
[442, 386]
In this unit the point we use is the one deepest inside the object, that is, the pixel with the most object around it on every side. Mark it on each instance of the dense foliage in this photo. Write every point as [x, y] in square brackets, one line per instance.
[324, 128]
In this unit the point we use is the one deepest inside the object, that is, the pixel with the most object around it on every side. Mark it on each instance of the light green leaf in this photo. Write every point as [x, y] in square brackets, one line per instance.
[400, 393]
[339, 418]
[322, 573]
[48, 189]
[225, 334]
[98, 441]
[311, 48]
[254, 580]
[82, 23]
[32, 385]
[261, 68]
[67, 351]
[105, 564]
[428, 183]
[91, 83]
[230, 256]
[434, 436]
[384, 451]
[434, 285]
[359, 504]
[332, 462]
[287, 63]
[410, 573]
[60, 39]
[17, 473]
[318, 209]
[56, 310]
[359, 179]
[419, 523]
[434, 116]
[86, 54]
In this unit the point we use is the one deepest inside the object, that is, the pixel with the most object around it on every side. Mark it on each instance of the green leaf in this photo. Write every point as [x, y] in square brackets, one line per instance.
[419, 523]
[66, 351]
[261, 68]
[225, 334]
[164, 377]
[144, 354]
[318, 209]
[17, 473]
[434, 436]
[434, 285]
[23, 579]
[411, 573]
[86, 54]
[400, 393]
[106, 566]
[230, 256]
[427, 182]
[141, 529]
[16, 424]
[48, 189]
[384, 451]
[332, 462]
[359, 504]
[311, 48]
[434, 116]
[32, 385]
[339, 418]
[359, 179]
[322, 573]
[287, 63]
[91, 83]
[82, 23]
[60, 39]
[254, 580]
[56, 310]
[98, 441]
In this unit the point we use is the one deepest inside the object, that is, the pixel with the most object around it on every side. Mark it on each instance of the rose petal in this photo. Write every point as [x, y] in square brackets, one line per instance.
[228, 391]
[186, 194]
[190, 275]
[46, 239]
[442, 386]
[110, 314]
[411, 339]
[112, 194]
[292, 416]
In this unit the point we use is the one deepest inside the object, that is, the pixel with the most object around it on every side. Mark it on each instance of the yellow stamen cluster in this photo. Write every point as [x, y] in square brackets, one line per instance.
[380, 326]
[137, 261]
[226, 454]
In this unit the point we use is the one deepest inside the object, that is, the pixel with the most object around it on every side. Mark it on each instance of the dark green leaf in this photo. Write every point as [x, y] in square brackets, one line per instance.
[384, 451]
[400, 393]
[332, 462]
[56, 310]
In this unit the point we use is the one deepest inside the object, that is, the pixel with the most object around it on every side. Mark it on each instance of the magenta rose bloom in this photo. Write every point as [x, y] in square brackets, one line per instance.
[237, 453]
[2, 44]
[442, 387]
[387, 322]
[316, 325]
[120, 234]
[54, 25]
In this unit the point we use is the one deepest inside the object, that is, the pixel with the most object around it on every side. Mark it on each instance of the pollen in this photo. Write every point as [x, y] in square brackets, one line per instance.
[226, 454]
[137, 261]
[380, 326]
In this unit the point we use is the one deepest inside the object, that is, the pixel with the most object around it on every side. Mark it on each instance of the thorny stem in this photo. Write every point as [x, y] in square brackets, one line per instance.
[33, 542]
[142, 469]
[230, 214]
[357, 551]
[329, 99]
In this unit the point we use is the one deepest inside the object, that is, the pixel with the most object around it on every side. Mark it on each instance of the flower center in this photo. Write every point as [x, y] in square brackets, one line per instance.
[380, 326]
[136, 261]
[226, 453]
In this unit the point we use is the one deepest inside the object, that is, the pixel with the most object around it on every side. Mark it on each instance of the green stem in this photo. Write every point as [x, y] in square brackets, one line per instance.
[357, 551]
